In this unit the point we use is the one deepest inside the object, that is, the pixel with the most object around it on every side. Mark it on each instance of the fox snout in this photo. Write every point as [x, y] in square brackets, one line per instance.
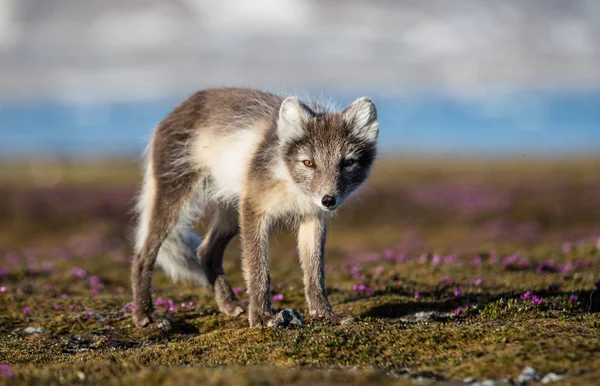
[328, 201]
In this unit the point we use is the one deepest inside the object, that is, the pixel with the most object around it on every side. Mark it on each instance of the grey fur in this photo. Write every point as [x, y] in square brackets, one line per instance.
[239, 154]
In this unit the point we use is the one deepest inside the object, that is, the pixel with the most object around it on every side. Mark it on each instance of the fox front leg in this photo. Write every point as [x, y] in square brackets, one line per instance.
[311, 244]
[255, 264]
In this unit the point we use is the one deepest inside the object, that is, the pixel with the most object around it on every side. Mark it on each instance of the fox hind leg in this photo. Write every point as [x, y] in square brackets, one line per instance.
[161, 211]
[224, 226]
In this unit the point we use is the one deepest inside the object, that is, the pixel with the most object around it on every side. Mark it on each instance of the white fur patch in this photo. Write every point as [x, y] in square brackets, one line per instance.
[227, 159]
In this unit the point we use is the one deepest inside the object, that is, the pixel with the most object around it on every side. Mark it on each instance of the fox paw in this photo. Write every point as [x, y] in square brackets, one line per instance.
[156, 319]
[233, 307]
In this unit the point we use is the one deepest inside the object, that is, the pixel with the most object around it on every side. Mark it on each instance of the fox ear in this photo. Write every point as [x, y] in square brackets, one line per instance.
[293, 115]
[361, 118]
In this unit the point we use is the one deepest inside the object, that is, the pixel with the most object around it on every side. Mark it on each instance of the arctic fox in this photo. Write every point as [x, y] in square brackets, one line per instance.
[249, 159]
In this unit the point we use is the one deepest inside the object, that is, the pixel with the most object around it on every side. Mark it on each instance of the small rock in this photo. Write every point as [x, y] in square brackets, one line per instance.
[81, 375]
[529, 374]
[348, 320]
[487, 382]
[469, 380]
[164, 325]
[552, 377]
[33, 330]
[289, 318]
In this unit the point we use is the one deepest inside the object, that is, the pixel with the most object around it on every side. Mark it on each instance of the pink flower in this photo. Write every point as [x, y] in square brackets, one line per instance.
[6, 371]
[457, 292]
[477, 282]
[94, 281]
[72, 307]
[191, 304]
[183, 305]
[3, 289]
[79, 272]
[88, 314]
[493, 258]
[26, 310]
[49, 287]
[159, 302]
[417, 296]
[172, 309]
[378, 271]
[129, 307]
[170, 303]
[237, 290]
[388, 254]
[458, 311]
[277, 298]
[526, 295]
[63, 296]
[566, 247]
[537, 300]
[57, 307]
[573, 298]
[476, 261]
[436, 260]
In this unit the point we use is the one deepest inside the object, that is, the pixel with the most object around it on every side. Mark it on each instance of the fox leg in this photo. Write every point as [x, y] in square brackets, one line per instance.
[311, 245]
[255, 263]
[224, 226]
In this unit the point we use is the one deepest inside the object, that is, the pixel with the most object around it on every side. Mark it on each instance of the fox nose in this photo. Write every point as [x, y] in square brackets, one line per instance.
[328, 201]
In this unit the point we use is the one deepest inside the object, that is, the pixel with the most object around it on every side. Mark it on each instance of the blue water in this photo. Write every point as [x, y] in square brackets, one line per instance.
[558, 122]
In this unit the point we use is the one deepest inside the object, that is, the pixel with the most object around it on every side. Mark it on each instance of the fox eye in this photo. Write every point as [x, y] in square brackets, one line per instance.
[348, 162]
[308, 163]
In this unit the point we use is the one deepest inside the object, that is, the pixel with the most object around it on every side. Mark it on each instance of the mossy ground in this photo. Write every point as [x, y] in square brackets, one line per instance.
[425, 236]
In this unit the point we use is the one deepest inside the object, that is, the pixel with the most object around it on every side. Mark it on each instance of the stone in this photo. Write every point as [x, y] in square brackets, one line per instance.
[552, 377]
[528, 375]
[288, 318]
[33, 330]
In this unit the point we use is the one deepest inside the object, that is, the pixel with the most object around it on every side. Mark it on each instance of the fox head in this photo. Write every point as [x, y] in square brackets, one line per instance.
[328, 154]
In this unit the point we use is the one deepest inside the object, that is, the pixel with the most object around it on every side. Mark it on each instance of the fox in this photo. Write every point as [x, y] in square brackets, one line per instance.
[248, 160]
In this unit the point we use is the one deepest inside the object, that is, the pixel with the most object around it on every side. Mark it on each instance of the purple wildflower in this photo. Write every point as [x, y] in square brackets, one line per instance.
[563, 269]
[537, 300]
[129, 307]
[72, 307]
[191, 304]
[436, 260]
[458, 311]
[388, 254]
[88, 314]
[170, 303]
[451, 260]
[417, 296]
[526, 295]
[457, 292]
[573, 298]
[378, 271]
[446, 280]
[159, 302]
[172, 309]
[277, 298]
[26, 310]
[6, 371]
[94, 281]
[79, 272]
[476, 261]
[493, 258]
[237, 290]
[49, 287]
[63, 296]
[477, 282]
[3, 289]
[183, 305]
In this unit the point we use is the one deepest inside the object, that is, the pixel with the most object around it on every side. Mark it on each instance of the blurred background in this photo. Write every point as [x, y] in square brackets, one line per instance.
[93, 78]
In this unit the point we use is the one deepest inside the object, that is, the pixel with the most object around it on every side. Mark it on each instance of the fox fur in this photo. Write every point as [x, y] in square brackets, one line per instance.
[248, 159]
